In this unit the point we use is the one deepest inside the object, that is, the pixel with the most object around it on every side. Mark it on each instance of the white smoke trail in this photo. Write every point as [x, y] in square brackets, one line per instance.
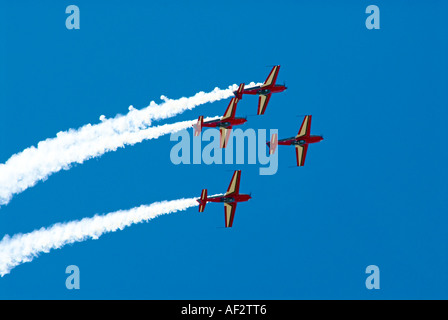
[34, 164]
[22, 248]
[23, 170]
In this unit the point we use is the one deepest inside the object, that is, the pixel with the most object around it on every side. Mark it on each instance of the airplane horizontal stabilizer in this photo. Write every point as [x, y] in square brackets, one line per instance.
[273, 144]
[198, 126]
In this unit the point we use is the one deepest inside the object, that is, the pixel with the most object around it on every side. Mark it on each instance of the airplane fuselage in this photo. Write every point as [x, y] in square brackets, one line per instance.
[230, 199]
[224, 123]
[300, 141]
[264, 90]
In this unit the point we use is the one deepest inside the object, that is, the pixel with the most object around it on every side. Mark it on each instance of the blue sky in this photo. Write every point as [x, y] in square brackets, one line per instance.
[373, 192]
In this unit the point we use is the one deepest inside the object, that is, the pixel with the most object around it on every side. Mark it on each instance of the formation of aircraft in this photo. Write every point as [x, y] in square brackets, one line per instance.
[230, 198]
[300, 141]
[225, 124]
[229, 120]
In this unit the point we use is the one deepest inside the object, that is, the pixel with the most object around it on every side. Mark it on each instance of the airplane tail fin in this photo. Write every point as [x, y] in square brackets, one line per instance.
[239, 92]
[203, 200]
[273, 144]
[198, 126]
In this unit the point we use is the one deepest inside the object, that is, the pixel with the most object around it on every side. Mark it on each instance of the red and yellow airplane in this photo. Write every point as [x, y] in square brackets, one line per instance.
[264, 91]
[230, 199]
[300, 141]
[225, 124]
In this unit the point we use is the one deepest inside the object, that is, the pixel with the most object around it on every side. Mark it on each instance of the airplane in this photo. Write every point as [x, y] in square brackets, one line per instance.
[225, 124]
[230, 198]
[264, 91]
[300, 141]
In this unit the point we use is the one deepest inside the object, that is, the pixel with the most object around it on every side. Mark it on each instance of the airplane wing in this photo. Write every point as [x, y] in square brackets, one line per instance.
[301, 154]
[224, 136]
[263, 103]
[229, 213]
[272, 77]
[234, 186]
[305, 127]
[231, 109]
